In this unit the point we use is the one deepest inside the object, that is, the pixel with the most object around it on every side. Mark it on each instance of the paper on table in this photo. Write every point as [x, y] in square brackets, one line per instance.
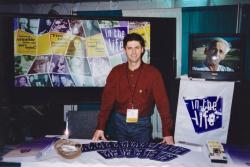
[31, 151]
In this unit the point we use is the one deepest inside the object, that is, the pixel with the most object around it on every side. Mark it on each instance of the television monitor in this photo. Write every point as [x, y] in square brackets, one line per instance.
[66, 59]
[216, 56]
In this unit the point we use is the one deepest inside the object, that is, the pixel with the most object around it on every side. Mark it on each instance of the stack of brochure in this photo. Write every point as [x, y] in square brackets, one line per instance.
[133, 149]
[30, 151]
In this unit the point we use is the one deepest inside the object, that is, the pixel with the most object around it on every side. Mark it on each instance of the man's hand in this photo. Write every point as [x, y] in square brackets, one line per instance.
[168, 140]
[99, 135]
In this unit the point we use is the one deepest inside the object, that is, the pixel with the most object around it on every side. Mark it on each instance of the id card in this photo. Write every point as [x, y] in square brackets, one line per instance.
[132, 116]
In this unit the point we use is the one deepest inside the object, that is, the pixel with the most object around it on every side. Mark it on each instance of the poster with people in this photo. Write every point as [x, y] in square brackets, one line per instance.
[70, 52]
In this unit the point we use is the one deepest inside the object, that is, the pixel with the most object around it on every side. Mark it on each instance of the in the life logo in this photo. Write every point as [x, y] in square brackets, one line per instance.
[205, 113]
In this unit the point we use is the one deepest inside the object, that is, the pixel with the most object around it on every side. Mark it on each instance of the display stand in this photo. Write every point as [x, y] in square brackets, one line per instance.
[203, 111]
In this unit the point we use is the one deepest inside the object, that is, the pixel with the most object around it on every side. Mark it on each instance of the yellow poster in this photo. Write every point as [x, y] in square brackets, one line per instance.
[43, 45]
[95, 46]
[25, 43]
[15, 43]
[144, 32]
[147, 28]
[59, 42]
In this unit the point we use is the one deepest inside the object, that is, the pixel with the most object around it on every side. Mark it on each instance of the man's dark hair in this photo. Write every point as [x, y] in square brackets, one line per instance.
[133, 37]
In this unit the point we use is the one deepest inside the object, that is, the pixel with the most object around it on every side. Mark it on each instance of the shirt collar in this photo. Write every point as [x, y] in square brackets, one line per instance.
[136, 70]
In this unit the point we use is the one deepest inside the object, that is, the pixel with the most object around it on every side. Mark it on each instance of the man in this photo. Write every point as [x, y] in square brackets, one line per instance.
[23, 23]
[33, 26]
[133, 88]
[45, 25]
[215, 52]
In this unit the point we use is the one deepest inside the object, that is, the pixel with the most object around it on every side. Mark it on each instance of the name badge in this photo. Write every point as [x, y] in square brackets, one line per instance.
[132, 115]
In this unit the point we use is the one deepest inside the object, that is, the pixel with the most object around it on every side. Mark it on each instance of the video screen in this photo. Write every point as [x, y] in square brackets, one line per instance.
[216, 54]
[71, 52]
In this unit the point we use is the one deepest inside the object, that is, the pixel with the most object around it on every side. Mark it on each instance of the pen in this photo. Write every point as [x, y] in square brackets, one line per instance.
[188, 143]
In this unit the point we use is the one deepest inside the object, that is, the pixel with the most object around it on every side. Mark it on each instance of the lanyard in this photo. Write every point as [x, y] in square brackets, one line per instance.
[132, 92]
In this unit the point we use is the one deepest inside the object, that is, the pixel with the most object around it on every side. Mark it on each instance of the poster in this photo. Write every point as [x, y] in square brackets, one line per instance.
[203, 111]
[70, 52]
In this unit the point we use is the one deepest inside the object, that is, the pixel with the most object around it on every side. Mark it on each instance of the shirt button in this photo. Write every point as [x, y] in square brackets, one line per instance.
[131, 75]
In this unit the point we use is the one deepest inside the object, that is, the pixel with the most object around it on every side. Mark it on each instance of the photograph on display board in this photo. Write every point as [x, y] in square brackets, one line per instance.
[45, 25]
[100, 70]
[77, 27]
[62, 80]
[23, 24]
[33, 26]
[79, 65]
[91, 27]
[77, 47]
[41, 64]
[60, 25]
[28, 25]
[39, 80]
[21, 81]
[109, 23]
[60, 52]
[59, 65]
[23, 64]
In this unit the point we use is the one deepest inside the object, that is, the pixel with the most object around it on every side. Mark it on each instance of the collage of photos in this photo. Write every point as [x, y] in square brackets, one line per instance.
[71, 52]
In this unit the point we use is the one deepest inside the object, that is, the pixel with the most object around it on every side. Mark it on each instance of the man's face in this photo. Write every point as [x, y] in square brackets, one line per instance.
[89, 25]
[77, 43]
[31, 78]
[216, 53]
[46, 77]
[64, 81]
[34, 25]
[23, 22]
[48, 22]
[61, 59]
[22, 81]
[42, 67]
[134, 51]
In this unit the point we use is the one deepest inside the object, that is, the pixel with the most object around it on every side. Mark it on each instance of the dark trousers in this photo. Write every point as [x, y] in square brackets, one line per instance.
[139, 131]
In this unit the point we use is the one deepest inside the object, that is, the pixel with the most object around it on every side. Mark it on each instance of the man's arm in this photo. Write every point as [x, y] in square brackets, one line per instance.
[162, 103]
[108, 98]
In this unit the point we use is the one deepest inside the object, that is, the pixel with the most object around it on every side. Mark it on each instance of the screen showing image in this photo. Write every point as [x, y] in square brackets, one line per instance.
[215, 56]
[71, 52]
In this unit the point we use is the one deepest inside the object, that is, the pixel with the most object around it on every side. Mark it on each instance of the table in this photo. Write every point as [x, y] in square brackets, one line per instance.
[197, 157]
